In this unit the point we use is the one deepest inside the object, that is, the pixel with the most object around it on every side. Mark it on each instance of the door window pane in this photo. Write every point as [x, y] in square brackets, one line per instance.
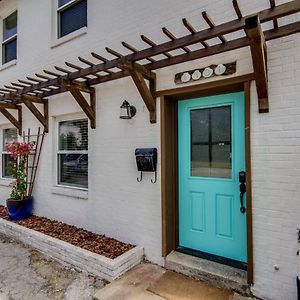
[211, 142]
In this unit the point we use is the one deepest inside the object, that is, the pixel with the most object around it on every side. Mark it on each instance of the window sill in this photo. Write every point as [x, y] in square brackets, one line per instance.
[6, 182]
[70, 192]
[69, 37]
[8, 64]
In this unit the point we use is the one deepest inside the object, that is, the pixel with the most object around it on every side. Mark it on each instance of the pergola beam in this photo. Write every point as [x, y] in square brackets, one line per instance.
[259, 59]
[128, 65]
[20, 98]
[78, 85]
[106, 65]
[4, 105]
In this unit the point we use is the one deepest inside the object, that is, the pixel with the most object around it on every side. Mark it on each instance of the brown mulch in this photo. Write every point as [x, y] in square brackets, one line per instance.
[82, 238]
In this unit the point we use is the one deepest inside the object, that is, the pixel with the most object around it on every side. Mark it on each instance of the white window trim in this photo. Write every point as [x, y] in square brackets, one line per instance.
[8, 64]
[62, 188]
[3, 42]
[71, 36]
[56, 40]
[70, 192]
[4, 181]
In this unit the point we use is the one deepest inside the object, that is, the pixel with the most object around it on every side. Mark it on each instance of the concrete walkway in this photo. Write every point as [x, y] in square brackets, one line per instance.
[150, 282]
[26, 274]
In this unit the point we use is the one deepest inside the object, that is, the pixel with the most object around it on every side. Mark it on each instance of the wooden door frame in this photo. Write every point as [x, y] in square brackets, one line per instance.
[169, 156]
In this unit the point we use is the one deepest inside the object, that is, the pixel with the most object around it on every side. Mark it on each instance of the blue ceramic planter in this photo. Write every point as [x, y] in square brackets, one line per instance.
[19, 209]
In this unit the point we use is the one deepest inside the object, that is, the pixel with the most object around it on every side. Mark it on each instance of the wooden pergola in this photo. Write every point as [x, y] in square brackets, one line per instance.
[78, 80]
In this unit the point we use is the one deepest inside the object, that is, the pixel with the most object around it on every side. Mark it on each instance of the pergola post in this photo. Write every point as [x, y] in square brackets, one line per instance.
[258, 49]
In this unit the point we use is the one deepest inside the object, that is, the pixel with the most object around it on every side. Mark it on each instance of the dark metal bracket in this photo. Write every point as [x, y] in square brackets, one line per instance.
[139, 179]
[155, 178]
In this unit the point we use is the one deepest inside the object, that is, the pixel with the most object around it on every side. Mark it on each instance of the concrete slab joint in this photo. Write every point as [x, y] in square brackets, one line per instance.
[80, 259]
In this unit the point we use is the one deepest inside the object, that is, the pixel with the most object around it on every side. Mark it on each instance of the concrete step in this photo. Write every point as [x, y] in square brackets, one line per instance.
[219, 275]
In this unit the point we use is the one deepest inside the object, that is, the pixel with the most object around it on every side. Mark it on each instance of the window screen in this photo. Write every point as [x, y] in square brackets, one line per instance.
[8, 135]
[72, 17]
[73, 153]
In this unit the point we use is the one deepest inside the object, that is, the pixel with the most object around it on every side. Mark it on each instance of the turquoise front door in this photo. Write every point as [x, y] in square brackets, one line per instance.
[211, 153]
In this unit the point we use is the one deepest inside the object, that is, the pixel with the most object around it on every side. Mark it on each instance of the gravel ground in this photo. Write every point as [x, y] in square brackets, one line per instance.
[26, 274]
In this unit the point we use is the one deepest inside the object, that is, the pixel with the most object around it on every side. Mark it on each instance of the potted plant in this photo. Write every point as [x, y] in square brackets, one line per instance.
[19, 205]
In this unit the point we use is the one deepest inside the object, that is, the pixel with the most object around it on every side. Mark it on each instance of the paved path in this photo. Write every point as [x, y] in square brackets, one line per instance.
[150, 282]
[26, 274]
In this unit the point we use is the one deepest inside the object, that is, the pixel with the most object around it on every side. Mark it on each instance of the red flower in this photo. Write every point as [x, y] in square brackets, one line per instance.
[17, 148]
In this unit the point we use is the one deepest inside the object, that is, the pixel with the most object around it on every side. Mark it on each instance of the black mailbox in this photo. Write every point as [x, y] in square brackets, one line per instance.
[146, 159]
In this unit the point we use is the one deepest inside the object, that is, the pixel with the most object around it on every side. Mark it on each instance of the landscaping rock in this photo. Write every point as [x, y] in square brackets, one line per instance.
[99, 244]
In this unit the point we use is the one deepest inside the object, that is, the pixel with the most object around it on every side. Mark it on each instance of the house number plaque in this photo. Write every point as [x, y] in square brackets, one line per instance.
[204, 73]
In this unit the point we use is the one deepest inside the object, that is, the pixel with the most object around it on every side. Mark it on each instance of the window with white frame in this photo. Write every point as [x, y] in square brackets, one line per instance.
[9, 40]
[8, 135]
[71, 16]
[72, 155]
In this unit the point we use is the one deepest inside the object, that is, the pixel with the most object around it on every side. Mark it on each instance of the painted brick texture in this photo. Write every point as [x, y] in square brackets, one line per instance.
[116, 204]
[276, 174]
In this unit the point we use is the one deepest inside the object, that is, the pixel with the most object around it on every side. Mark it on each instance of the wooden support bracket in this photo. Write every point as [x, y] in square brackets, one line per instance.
[28, 100]
[138, 74]
[43, 118]
[15, 122]
[76, 90]
[259, 58]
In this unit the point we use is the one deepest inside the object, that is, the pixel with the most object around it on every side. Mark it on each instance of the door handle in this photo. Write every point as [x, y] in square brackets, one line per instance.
[242, 180]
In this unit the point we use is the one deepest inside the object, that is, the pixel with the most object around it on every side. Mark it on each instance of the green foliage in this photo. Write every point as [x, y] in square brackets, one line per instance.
[18, 168]
[19, 188]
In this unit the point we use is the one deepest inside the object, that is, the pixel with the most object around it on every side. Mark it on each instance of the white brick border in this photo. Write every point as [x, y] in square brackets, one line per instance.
[78, 258]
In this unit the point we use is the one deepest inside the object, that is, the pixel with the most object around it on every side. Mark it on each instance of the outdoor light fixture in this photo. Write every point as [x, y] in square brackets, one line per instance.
[127, 111]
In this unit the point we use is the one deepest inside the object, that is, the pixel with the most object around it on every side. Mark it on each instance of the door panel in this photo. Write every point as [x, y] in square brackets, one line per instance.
[211, 153]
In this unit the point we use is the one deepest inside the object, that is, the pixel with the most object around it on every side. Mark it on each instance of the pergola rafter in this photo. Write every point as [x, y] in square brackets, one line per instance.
[76, 76]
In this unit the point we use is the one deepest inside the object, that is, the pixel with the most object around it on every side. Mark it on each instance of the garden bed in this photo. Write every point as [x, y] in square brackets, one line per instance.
[84, 239]
[86, 251]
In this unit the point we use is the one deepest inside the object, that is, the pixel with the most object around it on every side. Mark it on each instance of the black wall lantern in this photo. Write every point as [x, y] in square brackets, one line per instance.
[127, 111]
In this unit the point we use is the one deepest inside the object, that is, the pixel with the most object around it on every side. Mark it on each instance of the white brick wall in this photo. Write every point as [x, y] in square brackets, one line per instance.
[276, 174]
[116, 204]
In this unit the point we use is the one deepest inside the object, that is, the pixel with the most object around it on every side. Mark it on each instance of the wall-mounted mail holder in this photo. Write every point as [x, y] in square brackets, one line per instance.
[146, 161]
